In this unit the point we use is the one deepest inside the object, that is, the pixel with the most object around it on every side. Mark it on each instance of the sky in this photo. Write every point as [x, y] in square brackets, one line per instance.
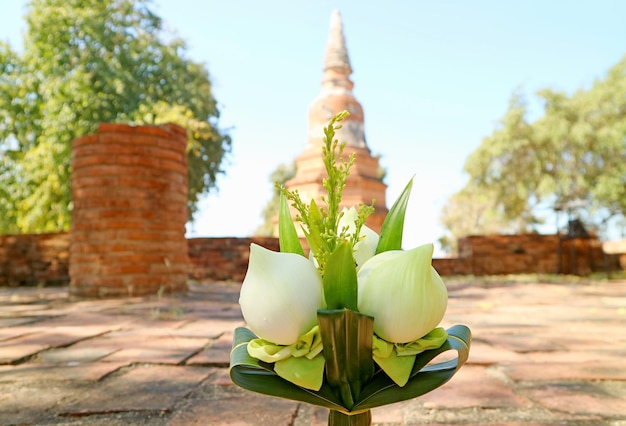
[433, 78]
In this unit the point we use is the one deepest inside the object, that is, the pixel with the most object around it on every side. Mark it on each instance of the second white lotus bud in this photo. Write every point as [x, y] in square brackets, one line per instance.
[403, 292]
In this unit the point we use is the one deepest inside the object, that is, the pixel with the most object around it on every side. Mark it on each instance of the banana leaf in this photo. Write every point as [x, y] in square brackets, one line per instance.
[347, 339]
[257, 376]
[393, 226]
[381, 390]
[340, 281]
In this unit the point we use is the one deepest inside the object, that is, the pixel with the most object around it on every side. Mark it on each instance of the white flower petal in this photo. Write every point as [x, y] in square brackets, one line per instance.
[366, 248]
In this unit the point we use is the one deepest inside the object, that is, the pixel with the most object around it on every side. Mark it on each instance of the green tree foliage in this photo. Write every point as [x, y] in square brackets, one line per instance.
[87, 62]
[573, 155]
[278, 178]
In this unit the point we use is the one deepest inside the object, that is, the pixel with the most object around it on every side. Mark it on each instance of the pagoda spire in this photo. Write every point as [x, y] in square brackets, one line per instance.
[364, 183]
[336, 57]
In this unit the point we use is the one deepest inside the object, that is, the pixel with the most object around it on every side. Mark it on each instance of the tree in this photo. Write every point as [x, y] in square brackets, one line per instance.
[278, 177]
[87, 62]
[573, 155]
[472, 211]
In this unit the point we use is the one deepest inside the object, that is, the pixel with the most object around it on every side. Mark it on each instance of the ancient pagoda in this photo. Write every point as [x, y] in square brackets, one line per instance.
[365, 181]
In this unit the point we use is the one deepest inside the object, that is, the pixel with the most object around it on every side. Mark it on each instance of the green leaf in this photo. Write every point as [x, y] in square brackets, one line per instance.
[254, 375]
[393, 226]
[257, 376]
[381, 390]
[302, 371]
[347, 338]
[287, 236]
[398, 368]
[340, 279]
[397, 360]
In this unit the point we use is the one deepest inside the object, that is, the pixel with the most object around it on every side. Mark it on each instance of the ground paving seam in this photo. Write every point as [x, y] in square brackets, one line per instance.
[203, 348]
[29, 357]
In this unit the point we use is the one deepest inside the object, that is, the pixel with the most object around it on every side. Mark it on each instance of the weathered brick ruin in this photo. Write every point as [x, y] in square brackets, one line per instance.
[129, 190]
[43, 259]
[34, 259]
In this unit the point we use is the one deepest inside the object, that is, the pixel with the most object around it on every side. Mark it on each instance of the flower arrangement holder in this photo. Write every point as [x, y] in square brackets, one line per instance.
[257, 376]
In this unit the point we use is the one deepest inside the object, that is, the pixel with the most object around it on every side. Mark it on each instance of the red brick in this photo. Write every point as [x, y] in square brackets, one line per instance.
[175, 129]
[487, 391]
[175, 166]
[166, 130]
[115, 128]
[167, 154]
[231, 406]
[588, 370]
[217, 354]
[173, 144]
[85, 140]
[143, 182]
[11, 351]
[141, 388]
[125, 268]
[77, 268]
[139, 161]
[115, 223]
[57, 373]
[576, 398]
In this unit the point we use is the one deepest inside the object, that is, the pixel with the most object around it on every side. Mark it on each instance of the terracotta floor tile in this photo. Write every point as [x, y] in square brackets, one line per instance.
[587, 398]
[233, 407]
[33, 372]
[144, 387]
[474, 386]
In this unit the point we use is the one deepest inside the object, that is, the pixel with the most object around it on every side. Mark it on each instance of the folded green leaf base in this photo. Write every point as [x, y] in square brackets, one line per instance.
[352, 384]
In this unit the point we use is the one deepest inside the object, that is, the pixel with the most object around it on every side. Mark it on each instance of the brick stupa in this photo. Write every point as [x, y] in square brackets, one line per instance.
[365, 181]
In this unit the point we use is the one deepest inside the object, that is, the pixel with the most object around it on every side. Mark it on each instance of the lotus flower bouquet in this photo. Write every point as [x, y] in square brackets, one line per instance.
[352, 326]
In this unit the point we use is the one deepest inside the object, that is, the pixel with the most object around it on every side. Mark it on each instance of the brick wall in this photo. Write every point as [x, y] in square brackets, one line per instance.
[34, 259]
[533, 253]
[43, 259]
[616, 252]
[453, 266]
[129, 189]
[223, 259]
[510, 254]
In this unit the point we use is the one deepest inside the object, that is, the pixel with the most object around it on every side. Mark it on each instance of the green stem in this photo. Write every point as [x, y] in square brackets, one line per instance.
[336, 418]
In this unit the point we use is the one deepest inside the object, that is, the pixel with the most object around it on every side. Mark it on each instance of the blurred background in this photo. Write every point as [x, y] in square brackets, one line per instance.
[511, 116]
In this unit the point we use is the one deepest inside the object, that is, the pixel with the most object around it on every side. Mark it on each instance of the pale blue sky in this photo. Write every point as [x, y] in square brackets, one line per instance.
[433, 78]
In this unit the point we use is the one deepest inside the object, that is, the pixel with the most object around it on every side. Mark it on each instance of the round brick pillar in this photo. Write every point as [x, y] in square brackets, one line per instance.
[129, 191]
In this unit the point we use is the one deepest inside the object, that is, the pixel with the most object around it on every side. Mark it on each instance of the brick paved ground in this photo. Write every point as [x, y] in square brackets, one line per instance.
[542, 354]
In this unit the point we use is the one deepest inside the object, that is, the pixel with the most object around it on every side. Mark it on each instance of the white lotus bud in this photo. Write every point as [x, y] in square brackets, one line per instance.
[280, 295]
[366, 248]
[403, 292]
